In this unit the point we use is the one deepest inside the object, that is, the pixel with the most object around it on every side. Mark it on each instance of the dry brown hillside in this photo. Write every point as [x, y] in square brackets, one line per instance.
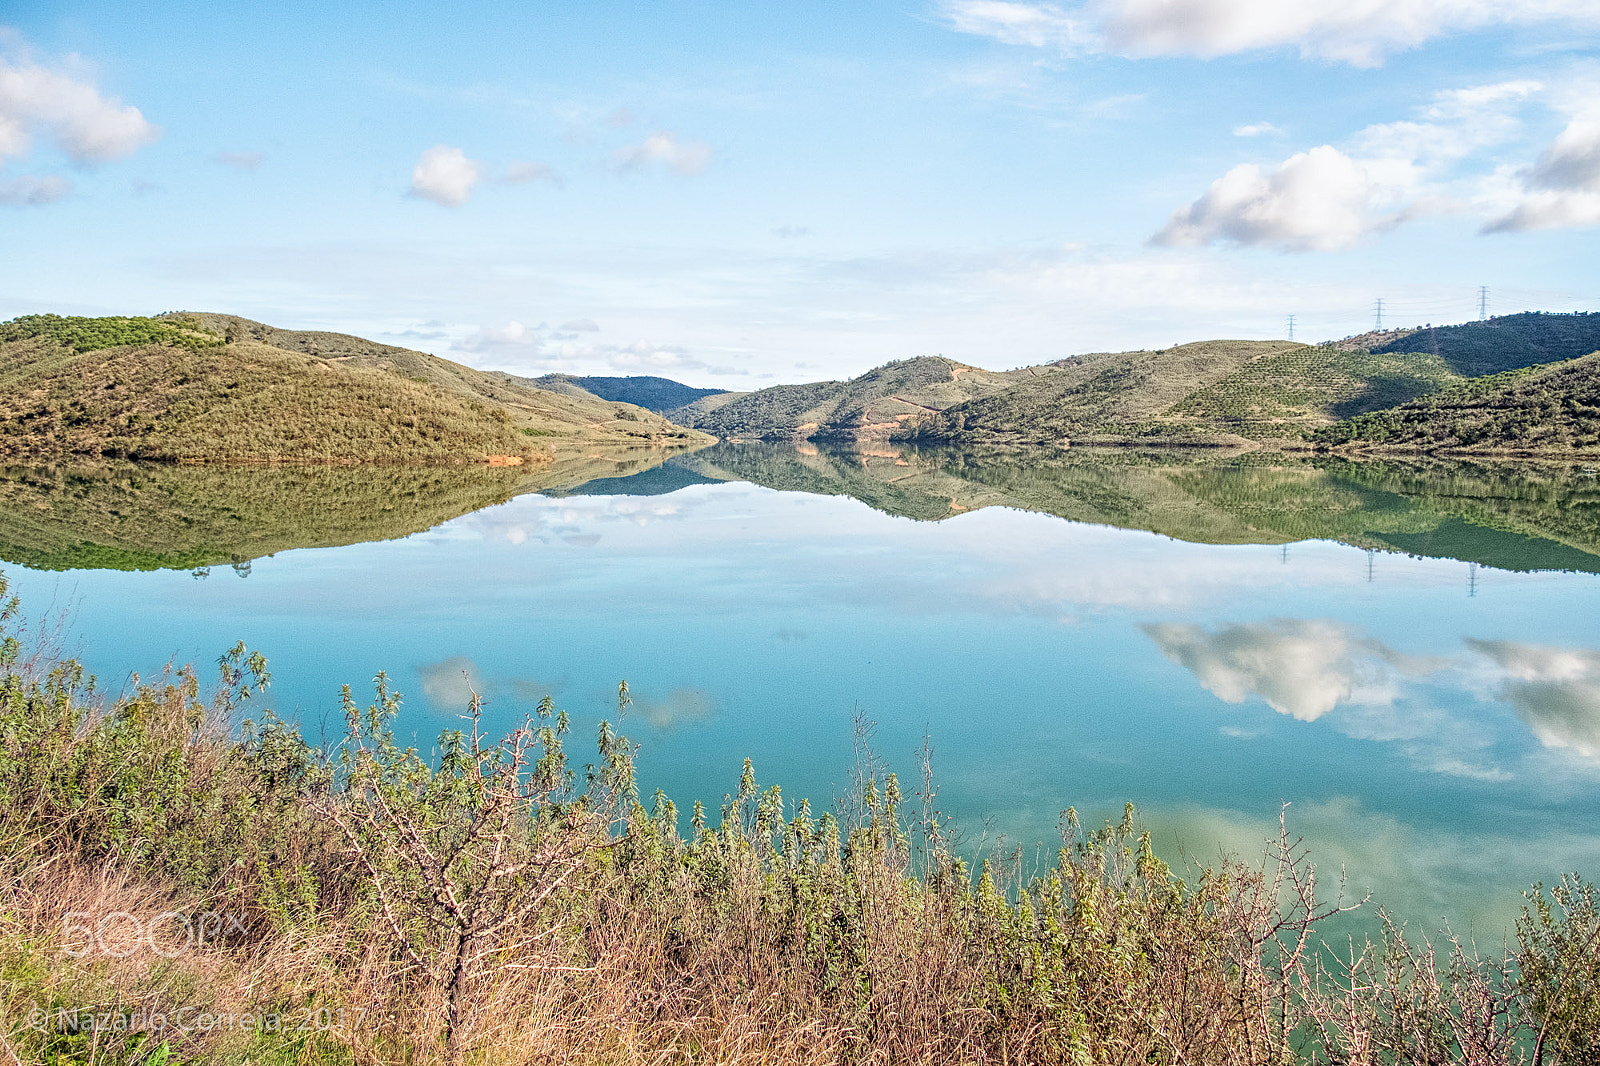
[216, 388]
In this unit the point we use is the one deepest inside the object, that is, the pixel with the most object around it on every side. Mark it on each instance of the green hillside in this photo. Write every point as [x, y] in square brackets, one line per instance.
[209, 388]
[1102, 397]
[1490, 346]
[880, 403]
[1282, 396]
[652, 393]
[1538, 410]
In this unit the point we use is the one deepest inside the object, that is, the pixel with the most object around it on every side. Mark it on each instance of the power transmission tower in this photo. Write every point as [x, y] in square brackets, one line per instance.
[1483, 302]
[1291, 327]
[1378, 324]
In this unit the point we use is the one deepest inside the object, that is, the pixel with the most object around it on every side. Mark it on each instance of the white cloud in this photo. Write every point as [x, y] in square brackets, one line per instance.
[1332, 197]
[245, 161]
[1360, 32]
[445, 175]
[63, 107]
[1256, 129]
[513, 338]
[1035, 25]
[1316, 200]
[519, 348]
[1561, 189]
[1303, 669]
[69, 111]
[680, 157]
[31, 191]
[1556, 691]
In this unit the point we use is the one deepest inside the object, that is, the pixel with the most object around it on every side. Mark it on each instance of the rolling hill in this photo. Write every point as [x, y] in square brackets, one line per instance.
[880, 403]
[1108, 397]
[192, 387]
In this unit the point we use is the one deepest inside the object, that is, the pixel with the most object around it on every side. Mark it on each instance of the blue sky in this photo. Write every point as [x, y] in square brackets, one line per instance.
[739, 194]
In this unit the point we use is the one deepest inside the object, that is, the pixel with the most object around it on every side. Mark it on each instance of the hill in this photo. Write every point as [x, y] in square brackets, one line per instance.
[652, 393]
[878, 404]
[1537, 410]
[1244, 392]
[1104, 397]
[1282, 396]
[192, 387]
[1493, 345]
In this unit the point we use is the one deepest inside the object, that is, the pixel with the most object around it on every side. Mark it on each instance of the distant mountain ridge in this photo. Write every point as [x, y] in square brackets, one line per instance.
[652, 393]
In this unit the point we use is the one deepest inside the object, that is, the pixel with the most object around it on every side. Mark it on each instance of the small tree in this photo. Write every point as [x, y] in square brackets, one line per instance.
[462, 857]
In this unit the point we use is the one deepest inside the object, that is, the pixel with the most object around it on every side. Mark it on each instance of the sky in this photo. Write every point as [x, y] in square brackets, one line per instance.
[737, 195]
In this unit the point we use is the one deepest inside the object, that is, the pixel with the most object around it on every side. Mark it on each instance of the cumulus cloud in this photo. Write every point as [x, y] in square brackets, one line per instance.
[69, 111]
[32, 191]
[445, 175]
[1556, 691]
[1314, 201]
[1360, 32]
[1330, 197]
[245, 161]
[664, 149]
[1255, 129]
[1303, 669]
[1562, 188]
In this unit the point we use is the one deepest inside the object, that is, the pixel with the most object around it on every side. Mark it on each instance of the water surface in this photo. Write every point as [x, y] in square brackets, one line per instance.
[1405, 653]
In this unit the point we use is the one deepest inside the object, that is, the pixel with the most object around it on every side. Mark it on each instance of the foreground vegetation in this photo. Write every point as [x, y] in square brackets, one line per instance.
[204, 388]
[496, 902]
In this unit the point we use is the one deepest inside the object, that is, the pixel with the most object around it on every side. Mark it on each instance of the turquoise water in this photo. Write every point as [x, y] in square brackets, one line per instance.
[1435, 725]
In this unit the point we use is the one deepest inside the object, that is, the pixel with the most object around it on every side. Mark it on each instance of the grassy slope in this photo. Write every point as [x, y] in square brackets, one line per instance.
[219, 388]
[148, 516]
[1284, 395]
[1551, 409]
[1101, 397]
[875, 405]
[1472, 349]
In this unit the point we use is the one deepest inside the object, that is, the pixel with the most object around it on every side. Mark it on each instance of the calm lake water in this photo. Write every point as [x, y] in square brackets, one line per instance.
[1409, 655]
